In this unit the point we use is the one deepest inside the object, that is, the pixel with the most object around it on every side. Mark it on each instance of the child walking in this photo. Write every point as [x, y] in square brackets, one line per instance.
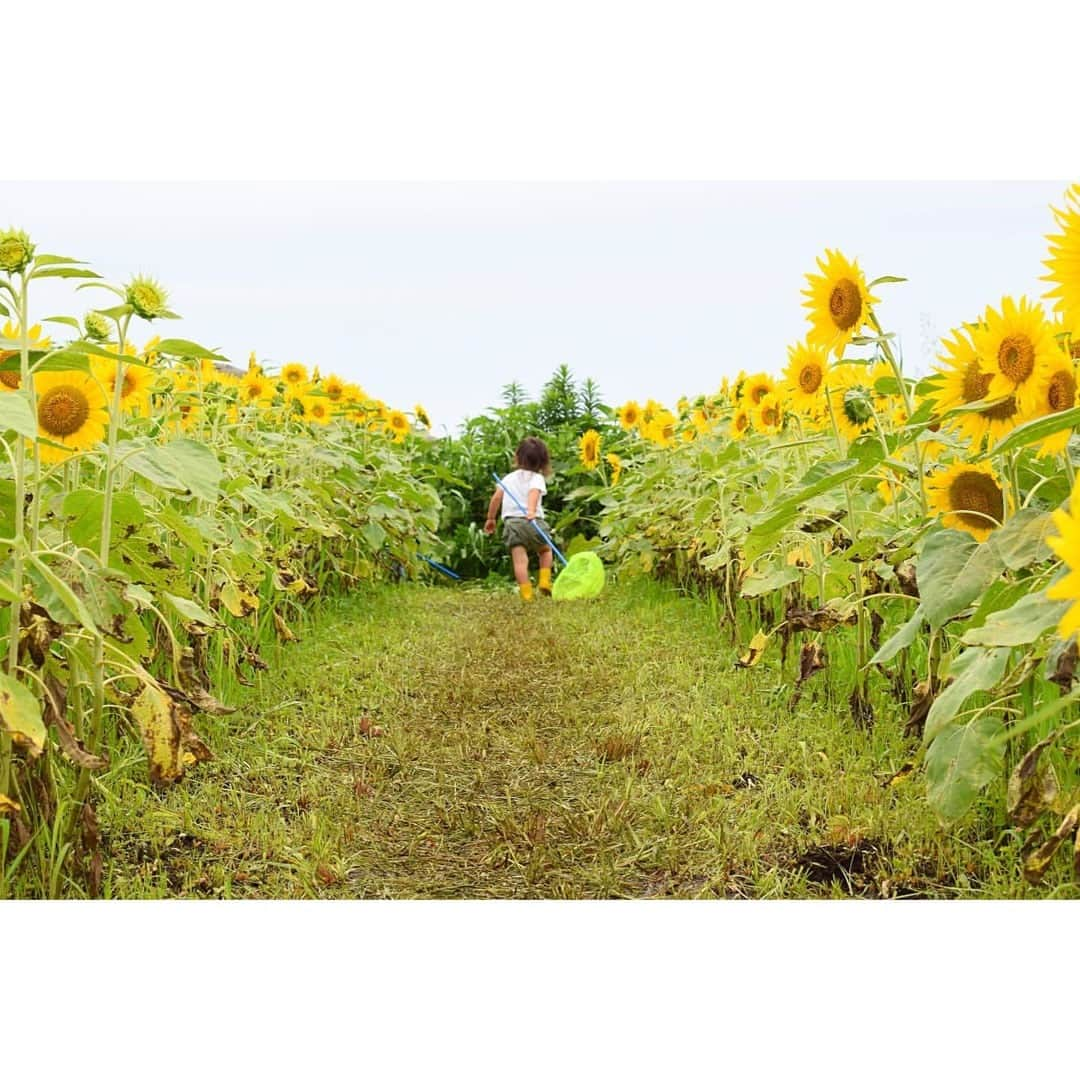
[529, 487]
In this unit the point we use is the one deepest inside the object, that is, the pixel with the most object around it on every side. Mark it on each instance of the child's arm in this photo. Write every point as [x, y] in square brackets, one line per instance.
[533, 503]
[493, 509]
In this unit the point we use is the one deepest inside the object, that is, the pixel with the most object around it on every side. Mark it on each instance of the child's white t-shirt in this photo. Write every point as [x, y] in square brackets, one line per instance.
[521, 482]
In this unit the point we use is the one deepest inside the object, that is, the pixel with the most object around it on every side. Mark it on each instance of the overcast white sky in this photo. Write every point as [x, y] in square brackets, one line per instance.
[442, 293]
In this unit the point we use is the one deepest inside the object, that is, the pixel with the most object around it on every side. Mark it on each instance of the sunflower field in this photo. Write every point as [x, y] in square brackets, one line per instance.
[909, 548]
[163, 518]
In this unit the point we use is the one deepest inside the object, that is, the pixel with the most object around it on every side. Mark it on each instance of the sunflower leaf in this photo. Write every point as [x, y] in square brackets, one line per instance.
[960, 763]
[954, 570]
[64, 272]
[16, 415]
[64, 320]
[1034, 431]
[974, 670]
[1027, 620]
[179, 347]
[20, 715]
[886, 279]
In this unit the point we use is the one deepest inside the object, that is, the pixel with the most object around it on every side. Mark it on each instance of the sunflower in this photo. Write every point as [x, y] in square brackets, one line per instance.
[187, 398]
[397, 423]
[256, 388]
[852, 405]
[740, 423]
[1064, 261]
[755, 388]
[807, 372]
[589, 449]
[11, 345]
[1067, 548]
[316, 408]
[962, 382]
[661, 428]
[616, 466]
[71, 411]
[702, 419]
[688, 434]
[839, 303]
[648, 414]
[334, 388]
[1013, 345]
[970, 497]
[293, 375]
[770, 414]
[422, 417]
[629, 415]
[136, 387]
[1057, 392]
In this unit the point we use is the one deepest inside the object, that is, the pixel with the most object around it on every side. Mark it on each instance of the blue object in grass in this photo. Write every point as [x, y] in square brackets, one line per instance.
[536, 524]
[442, 569]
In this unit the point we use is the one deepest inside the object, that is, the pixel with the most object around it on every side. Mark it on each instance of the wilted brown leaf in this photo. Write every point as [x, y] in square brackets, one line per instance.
[368, 729]
[282, 628]
[757, 646]
[1064, 673]
[1032, 790]
[1038, 862]
[165, 726]
[8, 806]
[55, 715]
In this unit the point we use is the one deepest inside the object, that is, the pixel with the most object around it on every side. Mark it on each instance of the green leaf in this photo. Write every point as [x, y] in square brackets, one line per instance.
[64, 272]
[189, 610]
[902, 639]
[56, 260]
[117, 312]
[1020, 624]
[16, 415]
[58, 594]
[180, 465]
[64, 320]
[822, 477]
[84, 509]
[887, 279]
[374, 534]
[20, 714]
[972, 671]
[179, 347]
[960, 763]
[1034, 431]
[953, 571]
[68, 359]
[1022, 539]
[759, 584]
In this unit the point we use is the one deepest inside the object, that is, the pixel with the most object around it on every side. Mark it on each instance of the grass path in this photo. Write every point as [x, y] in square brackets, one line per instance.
[432, 742]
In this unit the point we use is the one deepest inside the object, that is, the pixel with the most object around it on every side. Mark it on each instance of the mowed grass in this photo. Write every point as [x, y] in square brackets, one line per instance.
[438, 742]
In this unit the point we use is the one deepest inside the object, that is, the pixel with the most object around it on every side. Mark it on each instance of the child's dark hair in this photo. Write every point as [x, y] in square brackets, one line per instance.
[532, 454]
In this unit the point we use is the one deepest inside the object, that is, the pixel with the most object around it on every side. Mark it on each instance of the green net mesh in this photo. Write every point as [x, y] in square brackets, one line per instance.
[580, 579]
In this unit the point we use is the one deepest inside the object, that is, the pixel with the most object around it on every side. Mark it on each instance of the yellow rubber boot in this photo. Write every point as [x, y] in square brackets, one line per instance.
[544, 584]
[526, 591]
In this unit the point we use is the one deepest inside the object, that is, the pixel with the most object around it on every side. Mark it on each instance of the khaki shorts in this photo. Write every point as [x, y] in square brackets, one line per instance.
[520, 532]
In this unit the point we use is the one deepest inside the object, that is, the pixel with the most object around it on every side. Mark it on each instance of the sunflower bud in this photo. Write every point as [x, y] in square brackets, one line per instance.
[147, 297]
[16, 251]
[96, 326]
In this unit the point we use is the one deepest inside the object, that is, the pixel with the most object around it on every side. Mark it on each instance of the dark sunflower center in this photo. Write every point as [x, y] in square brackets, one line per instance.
[810, 378]
[757, 393]
[1061, 394]
[977, 500]
[741, 421]
[334, 393]
[1003, 410]
[771, 417]
[253, 392]
[62, 411]
[1016, 357]
[845, 304]
[976, 383]
[129, 385]
[11, 379]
